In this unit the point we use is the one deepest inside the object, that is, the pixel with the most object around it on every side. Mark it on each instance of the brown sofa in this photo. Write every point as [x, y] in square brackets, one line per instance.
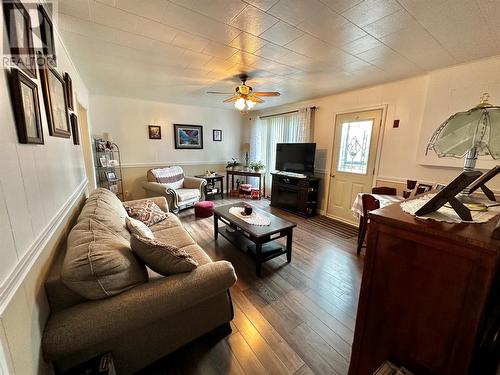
[146, 322]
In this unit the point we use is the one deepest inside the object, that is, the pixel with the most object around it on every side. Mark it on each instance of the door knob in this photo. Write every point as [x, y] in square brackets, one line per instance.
[332, 175]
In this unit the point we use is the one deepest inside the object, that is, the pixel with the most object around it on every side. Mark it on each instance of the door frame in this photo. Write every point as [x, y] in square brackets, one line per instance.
[383, 118]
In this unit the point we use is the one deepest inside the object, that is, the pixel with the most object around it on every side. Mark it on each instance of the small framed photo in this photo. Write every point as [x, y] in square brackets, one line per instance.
[26, 108]
[111, 176]
[154, 132]
[100, 145]
[217, 135]
[103, 160]
[113, 188]
[188, 137]
[68, 91]
[74, 129]
[46, 30]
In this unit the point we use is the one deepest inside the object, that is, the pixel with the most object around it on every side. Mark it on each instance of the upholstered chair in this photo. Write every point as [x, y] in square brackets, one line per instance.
[179, 190]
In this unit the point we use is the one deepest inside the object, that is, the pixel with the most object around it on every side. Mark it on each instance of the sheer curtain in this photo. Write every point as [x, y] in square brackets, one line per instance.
[267, 132]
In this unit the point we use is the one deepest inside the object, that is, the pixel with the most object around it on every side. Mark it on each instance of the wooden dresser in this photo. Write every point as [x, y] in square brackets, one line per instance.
[425, 290]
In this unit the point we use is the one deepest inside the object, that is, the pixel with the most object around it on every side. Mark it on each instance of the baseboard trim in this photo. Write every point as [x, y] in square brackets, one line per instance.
[17, 276]
[168, 163]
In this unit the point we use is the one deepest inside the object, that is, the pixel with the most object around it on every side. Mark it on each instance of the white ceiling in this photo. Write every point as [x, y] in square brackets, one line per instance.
[177, 50]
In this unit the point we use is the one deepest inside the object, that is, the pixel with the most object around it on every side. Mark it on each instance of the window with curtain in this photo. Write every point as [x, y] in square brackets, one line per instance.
[267, 132]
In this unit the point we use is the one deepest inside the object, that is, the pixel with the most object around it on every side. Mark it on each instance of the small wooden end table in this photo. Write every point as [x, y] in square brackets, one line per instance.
[212, 182]
[246, 173]
[258, 241]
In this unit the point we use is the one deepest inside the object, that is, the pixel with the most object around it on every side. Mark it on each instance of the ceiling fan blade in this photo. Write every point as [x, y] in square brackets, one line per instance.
[232, 99]
[266, 93]
[219, 92]
[255, 99]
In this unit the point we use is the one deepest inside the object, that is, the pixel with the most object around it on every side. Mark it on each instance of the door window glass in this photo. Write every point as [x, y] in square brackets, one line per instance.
[354, 150]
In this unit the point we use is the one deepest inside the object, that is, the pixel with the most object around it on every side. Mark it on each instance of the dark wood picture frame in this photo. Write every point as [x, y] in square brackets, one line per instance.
[68, 91]
[47, 36]
[217, 135]
[20, 54]
[17, 80]
[48, 73]
[180, 144]
[154, 131]
[74, 129]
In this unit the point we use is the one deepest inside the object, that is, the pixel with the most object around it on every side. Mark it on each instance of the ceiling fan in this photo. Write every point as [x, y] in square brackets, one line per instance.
[245, 98]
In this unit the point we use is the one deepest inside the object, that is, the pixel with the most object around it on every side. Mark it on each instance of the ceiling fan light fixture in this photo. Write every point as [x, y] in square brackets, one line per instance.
[250, 104]
[240, 104]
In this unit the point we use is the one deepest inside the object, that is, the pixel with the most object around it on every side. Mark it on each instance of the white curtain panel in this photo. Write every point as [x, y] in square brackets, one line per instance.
[266, 133]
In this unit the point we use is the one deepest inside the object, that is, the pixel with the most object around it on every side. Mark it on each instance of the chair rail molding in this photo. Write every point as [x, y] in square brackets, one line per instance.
[165, 163]
[10, 285]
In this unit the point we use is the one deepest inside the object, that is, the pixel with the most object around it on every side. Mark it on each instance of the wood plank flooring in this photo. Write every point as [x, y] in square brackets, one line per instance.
[298, 318]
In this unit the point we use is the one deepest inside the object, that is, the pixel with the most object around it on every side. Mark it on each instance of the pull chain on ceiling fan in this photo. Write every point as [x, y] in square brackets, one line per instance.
[245, 98]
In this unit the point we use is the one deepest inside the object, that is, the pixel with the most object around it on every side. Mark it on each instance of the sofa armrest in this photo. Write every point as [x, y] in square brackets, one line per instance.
[93, 322]
[194, 183]
[160, 201]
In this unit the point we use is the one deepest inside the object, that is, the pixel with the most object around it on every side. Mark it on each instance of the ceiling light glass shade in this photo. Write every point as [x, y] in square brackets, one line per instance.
[240, 104]
[250, 104]
[476, 130]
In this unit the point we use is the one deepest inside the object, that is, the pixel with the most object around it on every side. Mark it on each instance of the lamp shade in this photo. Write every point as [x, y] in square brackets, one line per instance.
[477, 129]
[245, 147]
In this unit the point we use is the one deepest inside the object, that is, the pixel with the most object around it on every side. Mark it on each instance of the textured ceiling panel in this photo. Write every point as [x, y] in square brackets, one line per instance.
[176, 50]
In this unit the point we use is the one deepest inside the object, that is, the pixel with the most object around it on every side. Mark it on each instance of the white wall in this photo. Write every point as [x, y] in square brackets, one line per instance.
[38, 184]
[421, 104]
[128, 119]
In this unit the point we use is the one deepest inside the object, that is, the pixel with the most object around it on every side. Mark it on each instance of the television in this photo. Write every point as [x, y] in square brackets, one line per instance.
[295, 157]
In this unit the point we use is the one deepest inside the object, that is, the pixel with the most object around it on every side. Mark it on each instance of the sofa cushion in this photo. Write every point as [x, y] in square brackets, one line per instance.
[188, 194]
[176, 236]
[146, 211]
[139, 228]
[162, 257]
[98, 263]
[170, 222]
[173, 177]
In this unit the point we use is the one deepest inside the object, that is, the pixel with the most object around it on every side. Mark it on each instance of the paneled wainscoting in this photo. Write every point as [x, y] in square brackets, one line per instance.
[297, 319]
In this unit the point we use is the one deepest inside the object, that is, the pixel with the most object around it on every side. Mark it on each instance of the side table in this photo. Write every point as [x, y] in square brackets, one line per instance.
[211, 188]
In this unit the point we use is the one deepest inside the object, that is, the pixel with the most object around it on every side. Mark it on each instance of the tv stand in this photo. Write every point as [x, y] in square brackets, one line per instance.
[298, 195]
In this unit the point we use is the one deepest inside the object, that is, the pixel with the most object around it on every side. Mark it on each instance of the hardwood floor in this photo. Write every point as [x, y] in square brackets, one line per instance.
[298, 318]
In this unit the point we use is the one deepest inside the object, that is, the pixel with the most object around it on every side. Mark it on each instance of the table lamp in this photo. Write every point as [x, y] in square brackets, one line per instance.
[245, 147]
[469, 134]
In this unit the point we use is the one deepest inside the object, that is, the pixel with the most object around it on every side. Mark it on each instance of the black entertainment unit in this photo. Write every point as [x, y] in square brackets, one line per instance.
[295, 194]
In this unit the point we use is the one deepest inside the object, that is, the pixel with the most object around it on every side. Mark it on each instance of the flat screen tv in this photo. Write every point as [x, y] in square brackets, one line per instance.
[295, 157]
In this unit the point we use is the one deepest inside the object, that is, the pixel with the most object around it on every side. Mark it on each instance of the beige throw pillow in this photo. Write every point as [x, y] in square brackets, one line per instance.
[148, 212]
[162, 257]
[139, 228]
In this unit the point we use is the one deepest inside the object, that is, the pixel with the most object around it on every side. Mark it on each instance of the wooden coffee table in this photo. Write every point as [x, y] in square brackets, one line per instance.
[259, 241]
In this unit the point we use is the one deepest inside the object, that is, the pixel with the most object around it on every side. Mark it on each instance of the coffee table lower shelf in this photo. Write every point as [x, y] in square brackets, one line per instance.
[269, 250]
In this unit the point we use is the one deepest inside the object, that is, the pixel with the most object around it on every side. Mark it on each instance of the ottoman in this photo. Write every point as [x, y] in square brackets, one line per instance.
[203, 209]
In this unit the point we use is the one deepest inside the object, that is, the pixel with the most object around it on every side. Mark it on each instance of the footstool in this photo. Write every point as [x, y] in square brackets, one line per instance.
[203, 209]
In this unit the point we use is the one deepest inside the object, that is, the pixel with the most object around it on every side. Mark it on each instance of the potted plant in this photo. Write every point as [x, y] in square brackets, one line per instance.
[257, 166]
[233, 163]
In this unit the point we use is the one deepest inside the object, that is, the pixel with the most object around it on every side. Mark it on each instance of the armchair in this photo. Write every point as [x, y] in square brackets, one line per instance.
[179, 190]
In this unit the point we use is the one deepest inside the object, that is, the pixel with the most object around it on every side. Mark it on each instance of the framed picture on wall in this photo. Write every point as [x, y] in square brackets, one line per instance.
[26, 108]
[68, 91]
[154, 132]
[54, 97]
[217, 135]
[74, 129]
[188, 136]
[47, 35]
[18, 27]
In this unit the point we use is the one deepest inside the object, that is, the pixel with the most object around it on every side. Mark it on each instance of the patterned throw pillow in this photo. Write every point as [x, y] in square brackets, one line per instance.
[162, 257]
[138, 227]
[148, 212]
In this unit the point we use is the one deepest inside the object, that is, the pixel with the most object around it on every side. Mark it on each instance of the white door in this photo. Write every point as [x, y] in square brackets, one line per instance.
[353, 161]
